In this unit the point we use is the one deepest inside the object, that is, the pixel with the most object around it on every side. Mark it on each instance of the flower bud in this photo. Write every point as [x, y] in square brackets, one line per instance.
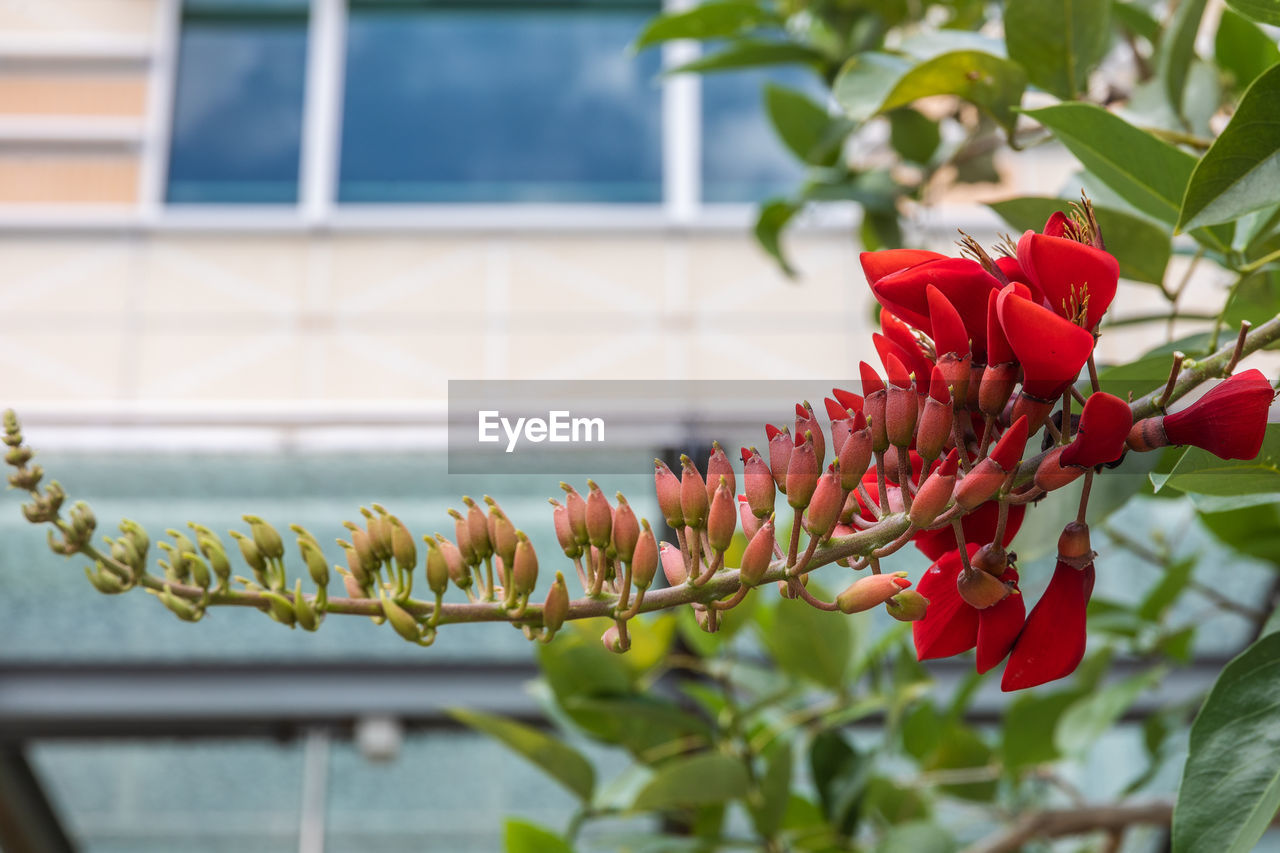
[848, 401]
[314, 557]
[841, 425]
[758, 483]
[137, 535]
[380, 533]
[781, 446]
[354, 590]
[437, 567]
[502, 533]
[455, 565]
[265, 537]
[556, 608]
[1052, 474]
[907, 606]
[667, 486]
[996, 387]
[722, 518]
[401, 620]
[644, 561]
[989, 476]
[577, 508]
[693, 494]
[855, 454]
[302, 609]
[979, 589]
[524, 571]
[750, 524]
[626, 530]
[462, 533]
[1073, 545]
[402, 547]
[103, 581]
[901, 405]
[122, 551]
[828, 500]
[672, 564]
[935, 492]
[478, 530]
[871, 591]
[217, 557]
[935, 420]
[249, 551]
[991, 558]
[718, 465]
[807, 422]
[199, 569]
[802, 473]
[612, 640]
[564, 533]
[599, 516]
[758, 554]
[354, 566]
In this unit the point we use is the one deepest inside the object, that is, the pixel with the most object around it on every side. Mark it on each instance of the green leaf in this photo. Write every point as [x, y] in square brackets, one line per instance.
[707, 21]
[701, 780]
[1200, 472]
[1255, 298]
[524, 837]
[1162, 596]
[885, 801]
[913, 135]
[775, 787]
[1137, 20]
[961, 747]
[916, 837]
[773, 217]
[802, 125]
[754, 53]
[1230, 788]
[1141, 168]
[637, 723]
[1242, 49]
[806, 642]
[840, 774]
[1058, 42]
[1029, 724]
[1178, 51]
[1240, 171]
[865, 81]
[1253, 530]
[1262, 11]
[1141, 247]
[558, 760]
[1086, 720]
[992, 84]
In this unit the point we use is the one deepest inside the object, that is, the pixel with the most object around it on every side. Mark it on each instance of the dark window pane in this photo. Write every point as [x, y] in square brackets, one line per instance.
[237, 122]
[742, 158]
[511, 105]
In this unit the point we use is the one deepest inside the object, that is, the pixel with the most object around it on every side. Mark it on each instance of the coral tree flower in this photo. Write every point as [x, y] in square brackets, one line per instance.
[951, 626]
[1051, 349]
[964, 282]
[1104, 426]
[1230, 421]
[1052, 642]
[1078, 279]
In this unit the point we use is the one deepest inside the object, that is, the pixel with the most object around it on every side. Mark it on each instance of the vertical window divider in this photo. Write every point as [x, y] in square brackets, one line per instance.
[322, 110]
[161, 83]
[681, 129]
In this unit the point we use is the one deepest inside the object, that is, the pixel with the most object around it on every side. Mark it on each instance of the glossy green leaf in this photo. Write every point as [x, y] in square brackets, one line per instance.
[1262, 11]
[1089, 717]
[916, 837]
[1143, 169]
[1058, 42]
[752, 53]
[704, 779]
[1240, 172]
[1173, 580]
[1178, 51]
[558, 760]
[1135, 18]
[1200, 472]
[523, 837]
[1253, 530]
[770, 222]
[840, 774]
[1256, 298]
[708, 21]
[769, 810]
[806, 642]
[865, 81]
[1230, 787]
[960, 747]
[992, 84]
[885, 801]
[1241, 48]
[637, 723]
[1141, 247]
[803, 125]
[913, 135]
[1029, 723]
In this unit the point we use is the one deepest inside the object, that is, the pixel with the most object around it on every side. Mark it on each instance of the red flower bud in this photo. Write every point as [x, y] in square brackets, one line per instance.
[949, 333]
[1078, 280]
[900, 339]
[936, 419]
[877, 265]
[612, 639]
[935, 492]
[1000, 624]
[1052, 642]
[750, 522]
[626, 530]
[1008, 450]
[722, 518]
[693, 494]
[758, 481]
[644, 560]
[980, 589]
[871, 591]
[780, 448]
[502, 533]
[1230, 421]
[806, 421]
[577, 508]
[873, 406]
[556, 607]
[477, 529]
[1051, 349]
[564, 533]
[599, 517]
[907, 606]
[847, 399]
[1052, 474]
[524, 566]
[462, 533]
[1147, 434]
[718, 465]
[454, 564]
[827, 502]
[668, 489]
[855, 454]
[1100, 437]
[901, 406]
[996, 387]
[950, 626]
[802, 473]
[987, 477]
[672, 564]
[758, 554]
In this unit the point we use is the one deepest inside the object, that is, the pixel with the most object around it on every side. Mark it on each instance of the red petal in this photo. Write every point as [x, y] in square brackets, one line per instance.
[771, 432]
[907, 347]
[961, 280]
[938, 389]
[1052, 642]
[1052, 349]
[848, 399]
[1008, 450]
[949, 626]
[896, 370]
[998, 349]
[871, 381]
[1104, 426]
[949, 334]
[877, 265]
[1056, 226]
[1230, 421]
[1067, 271]
[979, 526]
[999, 625]
[1012, 271]
[835, 411]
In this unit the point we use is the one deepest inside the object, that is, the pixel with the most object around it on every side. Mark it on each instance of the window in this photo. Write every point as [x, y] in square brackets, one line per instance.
[237, 121]
[520, 102]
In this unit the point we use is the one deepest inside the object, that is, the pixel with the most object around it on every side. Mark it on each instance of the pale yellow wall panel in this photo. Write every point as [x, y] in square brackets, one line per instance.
[62, 367]
[99, 17]
[264, 367]
[55, 276]
[376, 275]
[73, 94]
[206, 280]
[37, 178]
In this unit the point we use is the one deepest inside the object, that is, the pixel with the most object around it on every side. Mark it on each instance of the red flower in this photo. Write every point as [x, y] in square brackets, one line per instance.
[1000, 624]
[1230, 421]
[1078, 280]
[1052, 642]
[961, 280]
[949, 626]
[1051, 349]
[946, 326]
[915, 362]
[908, 346]
[1104, 426]
[978, 526]
[877, 265]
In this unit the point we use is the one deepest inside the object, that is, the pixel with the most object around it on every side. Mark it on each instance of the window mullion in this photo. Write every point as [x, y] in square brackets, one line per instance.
[681, 129]
[322, 112]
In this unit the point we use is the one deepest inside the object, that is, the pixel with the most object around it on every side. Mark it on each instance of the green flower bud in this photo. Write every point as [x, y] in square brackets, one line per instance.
[502, 533]
[380, 533]
[136, 534]
[401, 620]
[402, 547]
[437, 567]
[103, 581]
[122, 551]
[180, 607]
[478, 530]
[302, 609]
[249, 551]
[198, 568]
[217, 557]
[907, 606]
[316, 564]
[457, 566]
[363, 544]
[265, 537]
[462, 532]
[83, 521]
[178, 568]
